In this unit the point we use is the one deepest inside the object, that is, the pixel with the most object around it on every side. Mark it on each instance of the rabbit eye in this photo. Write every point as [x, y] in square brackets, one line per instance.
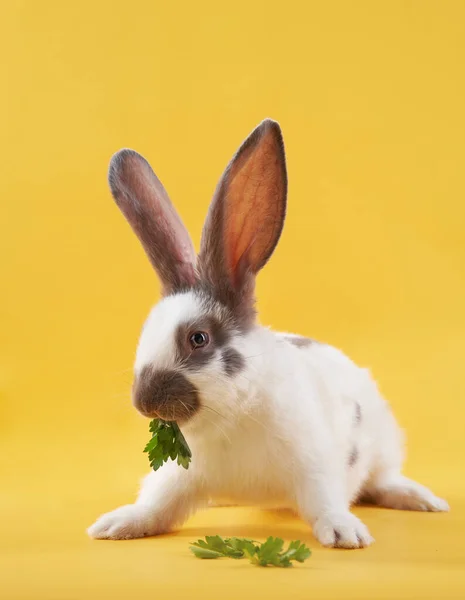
[199, 339]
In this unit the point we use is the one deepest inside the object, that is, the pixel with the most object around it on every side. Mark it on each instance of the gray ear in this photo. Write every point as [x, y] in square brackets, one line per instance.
[246, 216]
[144, 202]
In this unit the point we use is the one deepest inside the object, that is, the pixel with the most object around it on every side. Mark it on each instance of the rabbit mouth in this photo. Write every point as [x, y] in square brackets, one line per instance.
[176, 410]
[166, 395]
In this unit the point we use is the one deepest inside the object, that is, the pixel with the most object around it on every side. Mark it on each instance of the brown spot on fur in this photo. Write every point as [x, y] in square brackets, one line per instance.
[358, 413]
[233, 361]
[353, 457]
[165, 394]
[299, 341]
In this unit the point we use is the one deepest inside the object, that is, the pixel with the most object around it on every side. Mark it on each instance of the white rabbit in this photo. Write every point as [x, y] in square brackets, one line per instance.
[272, 419]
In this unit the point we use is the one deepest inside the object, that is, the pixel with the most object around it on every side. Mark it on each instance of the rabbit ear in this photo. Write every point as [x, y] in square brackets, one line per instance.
[144, 202]
[246, 216]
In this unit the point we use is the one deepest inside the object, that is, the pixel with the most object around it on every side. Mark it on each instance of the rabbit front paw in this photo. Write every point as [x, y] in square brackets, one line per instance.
[342, 530]
[124, 523]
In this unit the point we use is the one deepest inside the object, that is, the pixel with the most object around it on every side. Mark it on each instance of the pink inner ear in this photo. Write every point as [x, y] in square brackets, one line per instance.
[255, 205]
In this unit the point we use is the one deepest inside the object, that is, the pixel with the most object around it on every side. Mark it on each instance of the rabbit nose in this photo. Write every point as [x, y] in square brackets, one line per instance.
[165, 394]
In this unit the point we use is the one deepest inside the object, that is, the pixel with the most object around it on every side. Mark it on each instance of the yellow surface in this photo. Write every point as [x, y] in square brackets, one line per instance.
[371, 99]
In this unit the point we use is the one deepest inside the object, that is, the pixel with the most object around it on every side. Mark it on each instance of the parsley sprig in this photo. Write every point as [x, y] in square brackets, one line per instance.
[167, 442]
[263, 554]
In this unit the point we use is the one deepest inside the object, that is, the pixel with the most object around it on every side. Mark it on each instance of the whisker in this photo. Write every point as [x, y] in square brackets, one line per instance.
[256, 355]
[220, 429]
[188, 412]
[246, 416]
[213, 411]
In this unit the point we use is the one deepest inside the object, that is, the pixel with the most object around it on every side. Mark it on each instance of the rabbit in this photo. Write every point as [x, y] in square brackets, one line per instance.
[274, 420]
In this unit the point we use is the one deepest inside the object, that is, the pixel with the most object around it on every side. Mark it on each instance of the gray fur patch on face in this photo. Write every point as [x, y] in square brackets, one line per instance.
[353, 457]
[358, 414]
[299, 341]
[166, 394]
[219, 326]
[241, 315]
[241, 307]
[233, 361]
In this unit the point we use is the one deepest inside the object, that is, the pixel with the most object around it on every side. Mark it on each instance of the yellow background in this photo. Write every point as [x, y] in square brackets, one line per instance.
[371, 98]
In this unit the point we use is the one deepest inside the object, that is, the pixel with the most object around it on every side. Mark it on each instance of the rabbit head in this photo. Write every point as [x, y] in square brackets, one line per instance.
[187, 355]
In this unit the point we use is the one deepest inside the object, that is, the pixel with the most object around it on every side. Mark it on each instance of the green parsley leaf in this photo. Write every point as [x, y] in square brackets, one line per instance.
[263, 554]
[206, 553]
[269, 552]
[167, 442]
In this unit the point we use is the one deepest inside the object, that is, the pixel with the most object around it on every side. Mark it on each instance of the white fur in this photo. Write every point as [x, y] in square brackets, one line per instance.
[277, 434]
[157, 338]
[281, 431]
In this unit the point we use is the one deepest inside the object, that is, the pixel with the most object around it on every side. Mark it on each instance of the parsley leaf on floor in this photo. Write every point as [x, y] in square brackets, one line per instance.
[263, 554]
[167, 442]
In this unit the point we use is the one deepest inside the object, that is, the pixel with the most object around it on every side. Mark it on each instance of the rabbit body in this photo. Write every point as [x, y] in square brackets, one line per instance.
[272, 419]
